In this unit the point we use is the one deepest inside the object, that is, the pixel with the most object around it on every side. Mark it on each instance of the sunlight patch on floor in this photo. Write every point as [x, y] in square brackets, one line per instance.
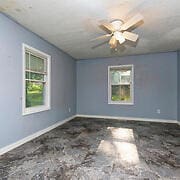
[124, 134]
[121, 146]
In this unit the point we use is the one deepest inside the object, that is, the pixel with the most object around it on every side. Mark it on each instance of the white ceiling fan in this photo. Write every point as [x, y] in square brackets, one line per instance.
[118, 31]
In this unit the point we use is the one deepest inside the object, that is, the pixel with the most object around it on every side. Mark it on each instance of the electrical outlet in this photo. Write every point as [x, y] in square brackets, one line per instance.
[158, 111]
[69, 109]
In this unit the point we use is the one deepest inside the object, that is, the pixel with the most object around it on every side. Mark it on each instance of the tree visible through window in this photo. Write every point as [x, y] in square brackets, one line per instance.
[121, 84]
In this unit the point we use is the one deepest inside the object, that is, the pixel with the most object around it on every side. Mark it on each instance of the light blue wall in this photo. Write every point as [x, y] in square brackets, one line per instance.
[178, 85]
[155, 85]
[14, 126]
[155, 88]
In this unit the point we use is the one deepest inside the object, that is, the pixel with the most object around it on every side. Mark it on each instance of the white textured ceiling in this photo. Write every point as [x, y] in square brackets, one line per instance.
[70, 25]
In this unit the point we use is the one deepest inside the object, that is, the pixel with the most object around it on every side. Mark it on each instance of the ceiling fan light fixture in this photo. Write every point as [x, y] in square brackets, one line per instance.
[121, 41]
[117, 24]
[119, 36]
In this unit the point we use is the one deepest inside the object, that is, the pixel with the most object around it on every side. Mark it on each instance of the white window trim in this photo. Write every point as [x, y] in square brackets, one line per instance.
[47, 106]
[132, 86]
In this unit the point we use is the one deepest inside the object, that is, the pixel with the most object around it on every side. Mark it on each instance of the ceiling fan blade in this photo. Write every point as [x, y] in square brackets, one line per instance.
[113, 42]
[108, 26]
[134, 20]
[130, 36]
[101, 37]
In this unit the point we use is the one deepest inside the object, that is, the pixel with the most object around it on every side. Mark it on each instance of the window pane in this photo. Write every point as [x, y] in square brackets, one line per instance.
[115, 93]
[121, 93]
[125, 93]
[34, 94]
[27, 60]
[120, 76]
[37, 64]
[34, 76]
[125, 79]
[115, 77]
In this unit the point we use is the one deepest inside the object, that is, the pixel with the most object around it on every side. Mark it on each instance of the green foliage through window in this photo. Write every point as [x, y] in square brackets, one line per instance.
[121, 93]
[34, 76]
[34, 94]
[120, 82]
[35, 80]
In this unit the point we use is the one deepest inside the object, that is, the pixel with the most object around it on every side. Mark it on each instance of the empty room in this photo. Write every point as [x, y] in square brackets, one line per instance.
[90, 90]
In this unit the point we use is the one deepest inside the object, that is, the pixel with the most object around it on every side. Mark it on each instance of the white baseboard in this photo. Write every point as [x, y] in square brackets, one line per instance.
[39, 133]
[129, 118]
[33, 136]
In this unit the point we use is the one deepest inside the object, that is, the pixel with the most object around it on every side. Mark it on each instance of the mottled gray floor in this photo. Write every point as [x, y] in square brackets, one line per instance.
[90, 149]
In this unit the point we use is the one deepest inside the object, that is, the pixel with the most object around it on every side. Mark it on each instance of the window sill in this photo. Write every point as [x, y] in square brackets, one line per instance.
[36, 109]
[121, 103]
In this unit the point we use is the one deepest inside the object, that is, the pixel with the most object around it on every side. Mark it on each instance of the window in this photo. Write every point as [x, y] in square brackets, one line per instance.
[36, 80]
[120, 90]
